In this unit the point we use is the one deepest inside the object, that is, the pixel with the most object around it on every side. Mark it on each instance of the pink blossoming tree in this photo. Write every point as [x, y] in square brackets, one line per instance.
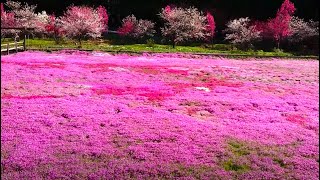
[2, 8]
[211, 26]
[80, 22]
[279, 26]
[127, 26]
[102, 11]
[54, 28]
[7, 20]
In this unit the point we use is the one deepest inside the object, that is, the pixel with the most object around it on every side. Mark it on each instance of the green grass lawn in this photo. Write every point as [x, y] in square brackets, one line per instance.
[104, 45]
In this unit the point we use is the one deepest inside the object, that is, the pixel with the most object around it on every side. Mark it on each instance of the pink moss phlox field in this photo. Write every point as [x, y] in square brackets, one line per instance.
[80, 115]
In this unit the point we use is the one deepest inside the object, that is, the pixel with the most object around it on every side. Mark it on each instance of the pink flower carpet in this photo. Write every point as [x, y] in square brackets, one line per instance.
[78, 115]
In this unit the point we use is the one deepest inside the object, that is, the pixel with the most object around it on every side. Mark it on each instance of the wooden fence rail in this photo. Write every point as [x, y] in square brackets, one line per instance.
[16, 45]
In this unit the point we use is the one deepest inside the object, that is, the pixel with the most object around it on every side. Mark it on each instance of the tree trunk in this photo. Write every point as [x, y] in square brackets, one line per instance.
[279, 43]
[173, 42]
[211, 43]
[80, 46]
[55, 38]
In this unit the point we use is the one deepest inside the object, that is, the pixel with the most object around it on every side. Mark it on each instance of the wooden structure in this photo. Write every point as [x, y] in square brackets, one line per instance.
[16, 45]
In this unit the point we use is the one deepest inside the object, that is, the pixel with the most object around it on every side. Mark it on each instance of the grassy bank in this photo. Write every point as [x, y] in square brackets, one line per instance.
[104, 45]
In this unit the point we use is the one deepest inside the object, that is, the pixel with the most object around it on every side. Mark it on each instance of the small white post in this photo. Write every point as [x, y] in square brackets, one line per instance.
[15, 45]
[8, 48]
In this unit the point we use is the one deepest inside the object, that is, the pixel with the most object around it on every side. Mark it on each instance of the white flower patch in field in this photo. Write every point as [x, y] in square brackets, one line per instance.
[230, 67]
[55, 57]
[203, 89]
[142, 59]
[119, 69]
[56, 64]
[100, 54]
[179, 68]
[81, 86]
[85, 86]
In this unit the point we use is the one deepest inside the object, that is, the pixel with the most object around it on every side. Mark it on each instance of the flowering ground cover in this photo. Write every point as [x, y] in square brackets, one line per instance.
[76, 115]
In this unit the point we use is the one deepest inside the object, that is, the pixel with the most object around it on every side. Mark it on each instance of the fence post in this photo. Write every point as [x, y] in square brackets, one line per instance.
[15, 45]
[8, 48]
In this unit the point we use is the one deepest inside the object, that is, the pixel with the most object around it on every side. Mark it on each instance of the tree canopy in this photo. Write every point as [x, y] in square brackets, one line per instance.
[223, 11]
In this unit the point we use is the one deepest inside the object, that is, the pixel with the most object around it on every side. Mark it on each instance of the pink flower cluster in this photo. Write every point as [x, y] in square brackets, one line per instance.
[79, 115]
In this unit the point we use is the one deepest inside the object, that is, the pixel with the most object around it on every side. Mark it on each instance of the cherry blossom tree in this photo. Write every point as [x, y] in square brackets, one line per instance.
[241, 33]
[80, 22]
[135, 28]
[183, 24]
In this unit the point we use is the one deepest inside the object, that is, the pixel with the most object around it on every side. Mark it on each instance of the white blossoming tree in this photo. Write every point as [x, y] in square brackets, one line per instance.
[183, 24]
[25, 14]
[301, 30]
[40, 23]
[241, 33]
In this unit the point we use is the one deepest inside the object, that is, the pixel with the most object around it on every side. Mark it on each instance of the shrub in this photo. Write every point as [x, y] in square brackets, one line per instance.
[240, 33]
[127, 25]
[183, 24]
[137, 29]
[150, 42]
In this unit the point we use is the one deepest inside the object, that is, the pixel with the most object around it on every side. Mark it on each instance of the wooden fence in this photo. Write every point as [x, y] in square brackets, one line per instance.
[16, 45]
